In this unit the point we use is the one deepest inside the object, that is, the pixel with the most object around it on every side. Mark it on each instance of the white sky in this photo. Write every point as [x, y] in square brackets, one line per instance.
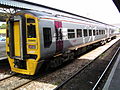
[102, 10]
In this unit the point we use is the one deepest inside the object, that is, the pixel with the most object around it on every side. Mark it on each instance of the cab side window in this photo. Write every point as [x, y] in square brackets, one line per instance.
[31, 31]
[31, 28]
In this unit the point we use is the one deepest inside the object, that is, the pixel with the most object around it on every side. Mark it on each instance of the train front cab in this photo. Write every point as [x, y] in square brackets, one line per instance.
[23, 43]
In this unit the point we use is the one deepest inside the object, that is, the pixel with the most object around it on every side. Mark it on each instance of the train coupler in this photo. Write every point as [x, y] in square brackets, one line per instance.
[20, 64]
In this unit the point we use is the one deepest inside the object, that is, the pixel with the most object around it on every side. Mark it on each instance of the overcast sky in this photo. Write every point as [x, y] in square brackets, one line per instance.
[102, 10]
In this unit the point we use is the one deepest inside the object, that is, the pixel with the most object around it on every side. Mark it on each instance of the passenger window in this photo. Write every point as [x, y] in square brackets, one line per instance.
[47, 37]
[71, 33]
[93, 32]
[79, 32]
[85, 32]
[102, 31]
[90, 32]
[31, 31]
[97, 32]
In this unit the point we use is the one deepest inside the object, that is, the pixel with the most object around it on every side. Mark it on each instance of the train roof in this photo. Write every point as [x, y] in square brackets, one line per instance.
[35, 13]
[43, 13]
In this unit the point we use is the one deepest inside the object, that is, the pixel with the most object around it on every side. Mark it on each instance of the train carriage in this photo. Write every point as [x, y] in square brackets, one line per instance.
[33, 37]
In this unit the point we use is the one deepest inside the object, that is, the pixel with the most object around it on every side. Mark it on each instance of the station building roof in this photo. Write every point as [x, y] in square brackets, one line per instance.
[117, 3]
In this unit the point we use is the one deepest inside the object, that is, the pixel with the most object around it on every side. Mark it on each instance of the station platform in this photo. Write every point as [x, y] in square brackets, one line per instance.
[113, 81]
[2, 51]
[98, 51]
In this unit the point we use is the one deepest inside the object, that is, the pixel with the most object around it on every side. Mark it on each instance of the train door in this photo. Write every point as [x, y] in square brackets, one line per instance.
[59, 38]
[17, 38]
[90, 34]
[86, 35]
[93, 33]
[17, 34]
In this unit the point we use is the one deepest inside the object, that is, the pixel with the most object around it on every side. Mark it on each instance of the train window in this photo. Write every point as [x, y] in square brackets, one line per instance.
[85, 32]
[93, 32]
[90, 32]
[47, 37]
[112, 31]
[102, 31]
[31, 31]
[71, 33]
[97, 32]
[30, 20]
[79, 32]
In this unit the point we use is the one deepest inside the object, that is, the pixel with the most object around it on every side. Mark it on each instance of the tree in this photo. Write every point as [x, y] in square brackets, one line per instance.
[3, 26]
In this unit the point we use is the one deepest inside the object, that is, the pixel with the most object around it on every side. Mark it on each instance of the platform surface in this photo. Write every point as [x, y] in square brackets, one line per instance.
[113, 81]
[96, 52]
[2, 49]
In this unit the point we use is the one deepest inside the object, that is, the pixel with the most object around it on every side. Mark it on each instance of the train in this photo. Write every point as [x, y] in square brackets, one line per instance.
[35, 37]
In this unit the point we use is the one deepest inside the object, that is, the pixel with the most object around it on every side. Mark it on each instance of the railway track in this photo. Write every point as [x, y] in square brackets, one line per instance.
[8, 76]
[96, 86]
[12, 82]
[52, 76]
[61, 85]
[69, 83]
[20, 82]
[17, 81]
[5, 71]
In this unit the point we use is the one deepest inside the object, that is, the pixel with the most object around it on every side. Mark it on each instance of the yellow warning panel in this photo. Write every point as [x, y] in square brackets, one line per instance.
[17, 38]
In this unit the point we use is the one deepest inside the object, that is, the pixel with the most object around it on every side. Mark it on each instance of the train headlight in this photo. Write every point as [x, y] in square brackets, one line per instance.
[32, 46]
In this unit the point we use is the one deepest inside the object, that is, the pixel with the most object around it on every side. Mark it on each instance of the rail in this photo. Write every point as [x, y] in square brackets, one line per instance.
[106, 69]
[61, 85]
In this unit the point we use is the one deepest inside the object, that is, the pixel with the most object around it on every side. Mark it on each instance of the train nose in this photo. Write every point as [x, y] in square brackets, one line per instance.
[23, 43]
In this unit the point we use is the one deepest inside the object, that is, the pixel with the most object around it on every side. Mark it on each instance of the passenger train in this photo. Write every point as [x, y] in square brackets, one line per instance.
[34, 37]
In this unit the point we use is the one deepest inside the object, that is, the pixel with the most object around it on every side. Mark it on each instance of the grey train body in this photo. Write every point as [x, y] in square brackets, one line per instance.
[90, 31]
